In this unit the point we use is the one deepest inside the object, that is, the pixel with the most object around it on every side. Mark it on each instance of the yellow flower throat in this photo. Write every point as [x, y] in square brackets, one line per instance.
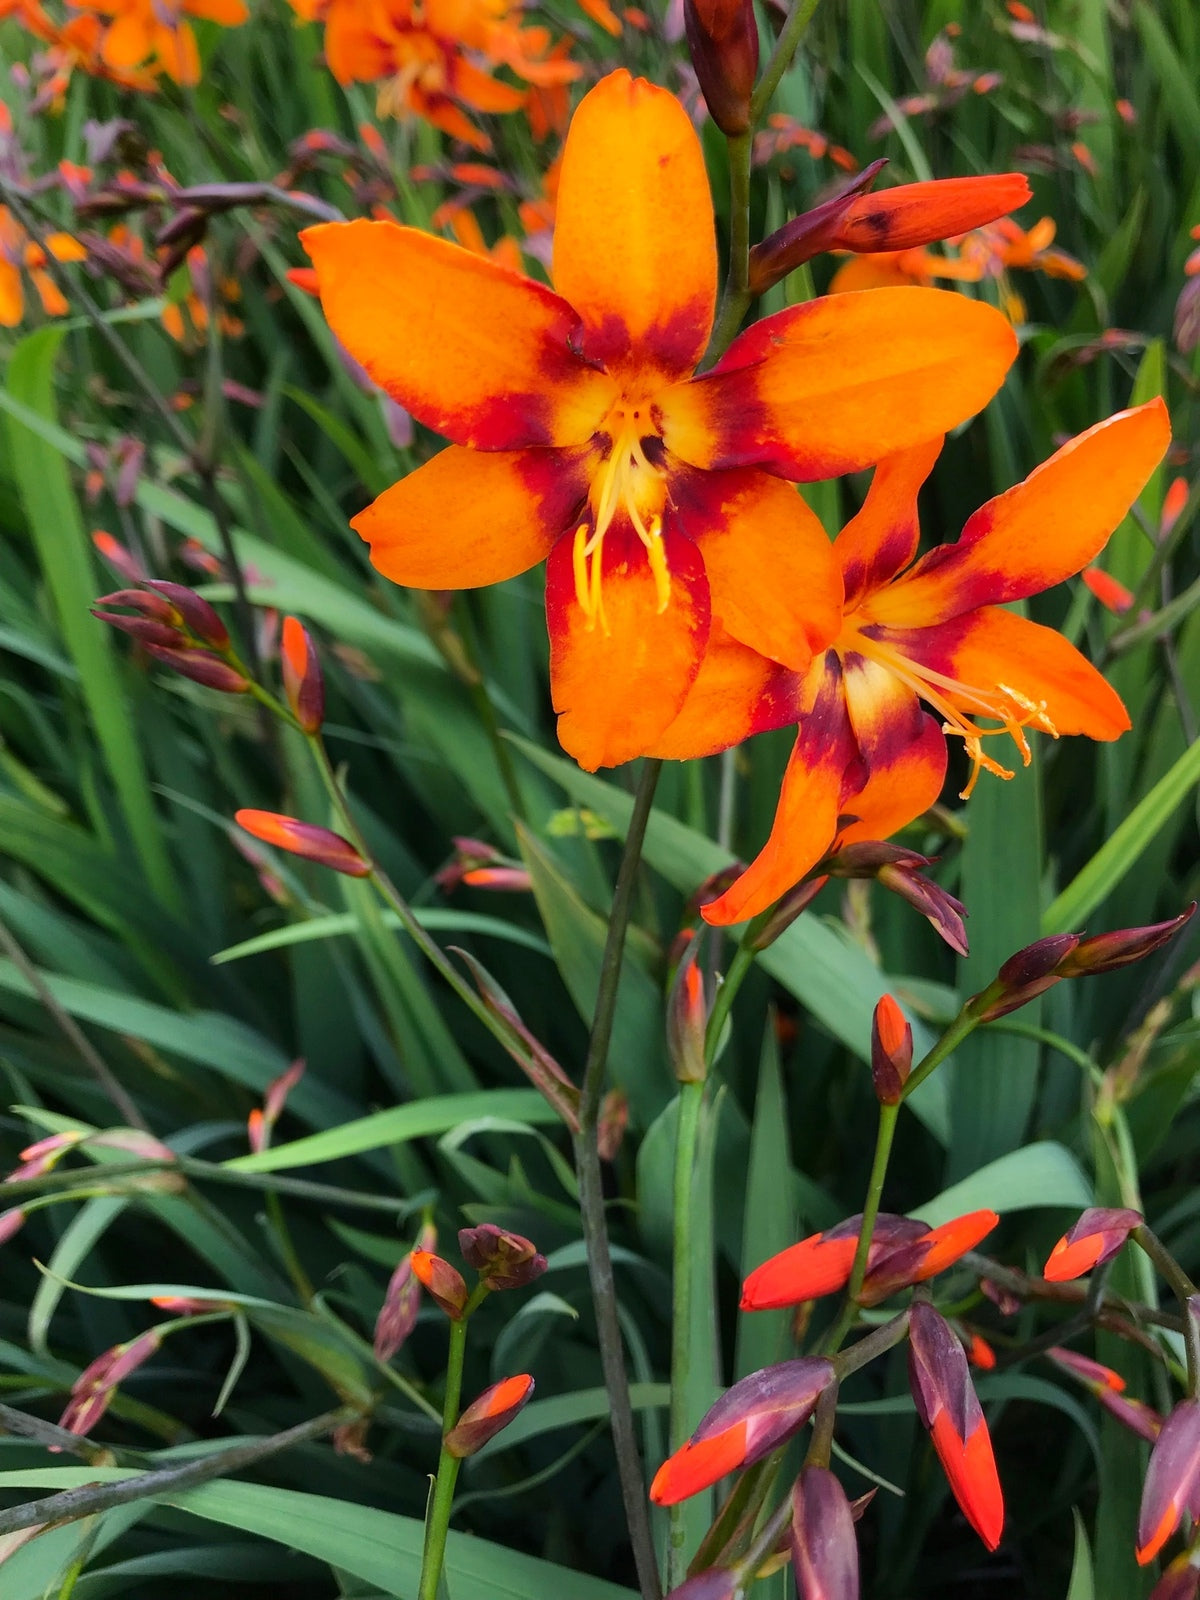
[626, 481]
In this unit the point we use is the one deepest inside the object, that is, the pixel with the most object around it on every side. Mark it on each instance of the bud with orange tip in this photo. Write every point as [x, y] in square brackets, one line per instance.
[196, 614]
[1111, 592]
[891, 1051]
[398, 1315]
[303, 684]
[687, 1017]
[1107, 952]
[485, 1417]
[949, 1408]
[442, 1282]
[1094, 1239]
[919, 1259]
[261, 1123]
[1172, 1485]
[120, 558]
[979, 1352]
[722, 38]
[747, 1423]
[1181, 1580]
[502, 1259]
[92, 1391]
[824, 1546]
[1092, 1374]
[305, 839]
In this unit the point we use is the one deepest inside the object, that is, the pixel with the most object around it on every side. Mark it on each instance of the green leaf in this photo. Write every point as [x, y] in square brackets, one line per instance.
[1082, 1586]
[339, 923]
[1044, 1174]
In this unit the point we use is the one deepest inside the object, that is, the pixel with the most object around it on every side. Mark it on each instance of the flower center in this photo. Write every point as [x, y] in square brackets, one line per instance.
[629, 480]
[1013, 710]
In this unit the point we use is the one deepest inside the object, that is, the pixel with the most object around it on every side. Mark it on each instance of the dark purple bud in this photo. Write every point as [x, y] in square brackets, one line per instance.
[1172, 1483]
[824, 1547]
[144, 629]
[197, 613]
[502, 1259]
[1105, 952]
[203, 667]
[722, 37]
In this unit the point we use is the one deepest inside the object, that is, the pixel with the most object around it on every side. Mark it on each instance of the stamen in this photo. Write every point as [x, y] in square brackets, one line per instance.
[579, 566]
[626, 480]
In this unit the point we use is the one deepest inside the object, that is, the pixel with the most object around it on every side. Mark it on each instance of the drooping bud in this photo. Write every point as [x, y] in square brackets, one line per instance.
[398, 1314]
[1094, 1239]
[202, 666]
[687, 1018]
[530, 1054]
[262, 1122]
[303, 683]
[1133, 1414]
[746, 1424]
[722, 38]
[821, 1264]
[92, 1391]
[949, 1408]
[442, 1282]
[891, 1051]
[897, 870]
[824, 1546]
[920, 1259]
[1172, 1484]
[502, 1259]
[485, 1417]
[1094, 1375]
[305, 839]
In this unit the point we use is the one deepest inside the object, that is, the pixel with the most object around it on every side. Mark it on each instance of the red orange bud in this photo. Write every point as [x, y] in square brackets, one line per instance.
[398, 1314]
[118, 557]
[1093, 1375]
[485, 1417]
[92, 1391]
[979, 1352]
[302, 681]
[1111, 593]
[201, 666]
[722, 37]
[917, 1259]
[949, 1408]
[824, 1546]
[687, 1018]
[1105, 952]
[188, 1305]
[807, 235]
[920, 213]
[503, 1260]
[1176, 496]
[746, 1424]
[442, 1282]
[891, 1051]
[1095, 1238]
[305, 839]
[199, 616]
[1172, 1484]
[821, 1264]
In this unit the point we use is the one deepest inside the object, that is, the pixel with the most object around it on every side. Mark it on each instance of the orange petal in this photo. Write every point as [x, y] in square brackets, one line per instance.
[12, 296]
[619, 682]
[919, 213]
[176, 48]
[970, 1467]
[836, 384]
[775, 583]
[126, 41]
[473, 517]
[64, 248]
[804, 1271]
[1041, 531]
[229, 13]
[471, 350]
[1068, 1260]
[902, 750]
[698, 1464]
[737, 693]
[634, 245]
[885, 271]
[992, 646]
[882, 538]
[810, 802]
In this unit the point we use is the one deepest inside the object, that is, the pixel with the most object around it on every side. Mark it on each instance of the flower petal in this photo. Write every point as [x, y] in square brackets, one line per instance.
[737, 693]
[618, 683]
[882, 539]
[1041, 531]
[810, 802]
[902, 748]
[775, 583]
[992, 647]
[838, 383]
[634, 246]
[473, 351]
[473, 517]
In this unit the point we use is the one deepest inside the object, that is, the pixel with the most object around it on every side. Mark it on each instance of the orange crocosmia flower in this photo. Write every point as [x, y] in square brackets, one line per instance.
[582, 436]
[1004, 244]
[18, 253]
[868, 759]
[156, 33]
[884, 269]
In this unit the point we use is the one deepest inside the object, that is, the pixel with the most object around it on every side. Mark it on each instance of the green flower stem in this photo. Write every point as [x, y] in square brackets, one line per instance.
[691, 1103]
[888, 1116]
[437, 1521]
[591, 1195]
[786, 45]
[1184, 1290]
[961, 1028]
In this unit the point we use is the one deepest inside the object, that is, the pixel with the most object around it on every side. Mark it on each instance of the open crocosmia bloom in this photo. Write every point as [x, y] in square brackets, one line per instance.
[582, 437]
[868, 759]
[156, 32]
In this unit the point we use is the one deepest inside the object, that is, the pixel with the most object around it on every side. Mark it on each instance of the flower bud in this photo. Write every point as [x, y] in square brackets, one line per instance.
[722, 38]
[11, 1222]
[1105, 952]
[979, 1352]
[896, 869]
[92, 1391]
[401, 1303]
[118, 557]
[1181, 1580]
[821, 1264]
[790, 906]
[824, 1546]
[1172, 1485]
[687, 1017]
[261, 1122]
[202, 621]
[1094, 1239]
[915, 214]
[442, 1282]
[917, 1260]
[949, 1408]
[303, 683]
[891, 1051]
[201, 666]
[305, 839]
[189, 1305]
[503, 1260]
[746, 1424]
[144, 629]
[808, 234]
[485, 1417]
[1111, 593]
[530, 1054]
[1133, 1414]
[1094, 1375]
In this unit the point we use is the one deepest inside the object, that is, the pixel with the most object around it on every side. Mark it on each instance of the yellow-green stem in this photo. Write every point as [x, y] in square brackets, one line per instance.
[691, 1102]
[883, 1149]
[437, 1518]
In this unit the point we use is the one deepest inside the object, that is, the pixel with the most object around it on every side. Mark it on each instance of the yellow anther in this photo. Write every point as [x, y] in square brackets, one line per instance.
[658, 565]
[579, 566]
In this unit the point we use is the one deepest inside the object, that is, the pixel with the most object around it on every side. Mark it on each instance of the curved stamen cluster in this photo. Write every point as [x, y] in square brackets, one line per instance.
[629, 482]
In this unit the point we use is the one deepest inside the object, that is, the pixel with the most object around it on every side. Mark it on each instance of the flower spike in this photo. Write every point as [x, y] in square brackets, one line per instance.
[746, 1424]
[949, 1408]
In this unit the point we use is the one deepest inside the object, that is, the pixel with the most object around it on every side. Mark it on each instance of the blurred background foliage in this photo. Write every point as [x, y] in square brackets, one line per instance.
[197, 968]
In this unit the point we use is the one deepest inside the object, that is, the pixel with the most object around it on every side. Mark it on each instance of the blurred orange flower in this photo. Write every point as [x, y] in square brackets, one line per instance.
[19, 253]
[582, 435]
[868, 759]
[155, 33]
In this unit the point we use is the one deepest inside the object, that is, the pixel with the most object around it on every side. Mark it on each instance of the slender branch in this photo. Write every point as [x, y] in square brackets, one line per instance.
[1027, 1287]
[691, 1102]
[91, 1498]
[591, 1194]
[786, 45]
[888, 1116]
